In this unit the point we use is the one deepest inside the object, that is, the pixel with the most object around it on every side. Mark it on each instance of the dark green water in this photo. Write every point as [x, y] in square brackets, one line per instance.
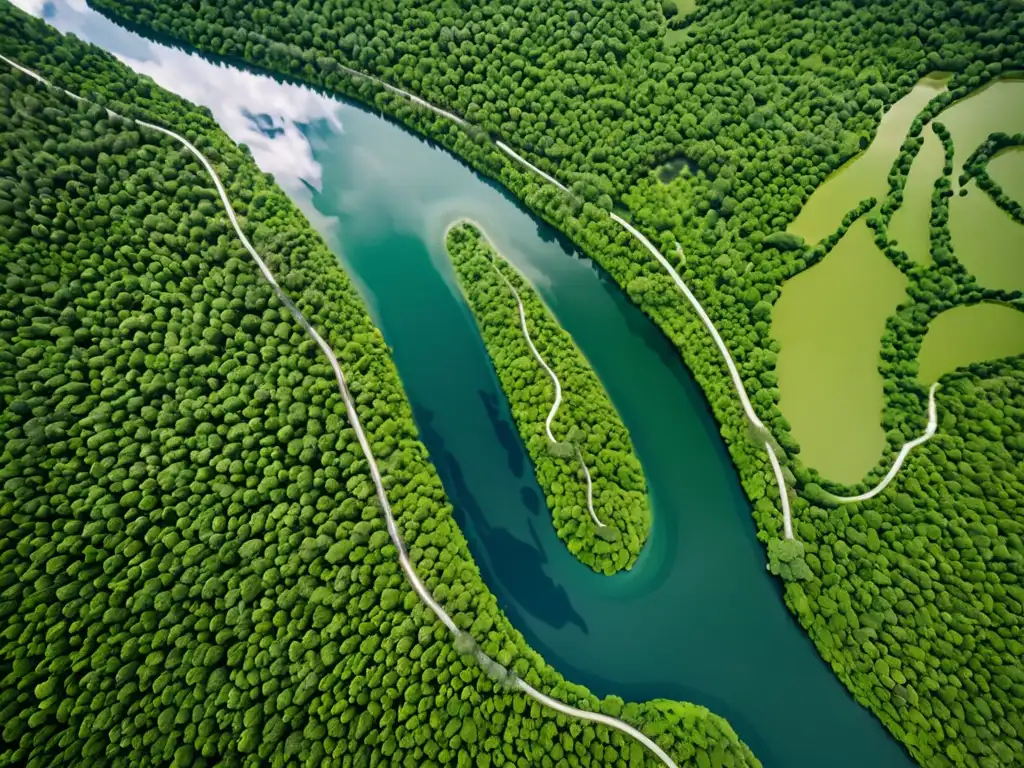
[698, 618]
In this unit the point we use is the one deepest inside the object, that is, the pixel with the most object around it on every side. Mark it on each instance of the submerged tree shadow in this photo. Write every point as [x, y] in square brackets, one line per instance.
[506, 560]
[506, 435]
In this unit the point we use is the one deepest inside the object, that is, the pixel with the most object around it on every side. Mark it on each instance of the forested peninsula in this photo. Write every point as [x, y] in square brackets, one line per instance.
[914, 597]
[195, 570]
[586, 421]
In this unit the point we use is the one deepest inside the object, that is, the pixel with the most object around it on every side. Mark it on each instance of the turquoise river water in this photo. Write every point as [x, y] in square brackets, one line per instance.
[698, 618]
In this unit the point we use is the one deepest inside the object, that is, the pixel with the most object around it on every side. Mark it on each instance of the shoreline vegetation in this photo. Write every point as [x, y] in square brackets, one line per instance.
[235, 555]
[588, 454]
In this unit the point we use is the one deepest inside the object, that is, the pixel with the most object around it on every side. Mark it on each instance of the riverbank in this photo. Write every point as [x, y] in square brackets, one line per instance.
[724, 290]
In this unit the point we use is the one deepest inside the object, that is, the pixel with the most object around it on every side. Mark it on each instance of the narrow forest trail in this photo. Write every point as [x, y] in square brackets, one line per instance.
[734, 373]
[350, 407]
[554, 380]
[748, 409]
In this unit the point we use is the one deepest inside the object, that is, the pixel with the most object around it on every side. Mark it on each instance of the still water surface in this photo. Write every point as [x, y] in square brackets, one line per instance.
[829, 319]
[698, 618]
[970, 334]
[866, 174]
[986, 240]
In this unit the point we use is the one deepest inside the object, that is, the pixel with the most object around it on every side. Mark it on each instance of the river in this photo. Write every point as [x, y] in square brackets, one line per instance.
[698, 618]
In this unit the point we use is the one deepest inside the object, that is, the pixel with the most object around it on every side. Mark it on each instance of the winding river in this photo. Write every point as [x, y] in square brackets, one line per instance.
[698, 618]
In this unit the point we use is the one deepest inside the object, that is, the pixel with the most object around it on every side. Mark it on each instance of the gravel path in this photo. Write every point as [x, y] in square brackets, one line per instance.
[558, 393]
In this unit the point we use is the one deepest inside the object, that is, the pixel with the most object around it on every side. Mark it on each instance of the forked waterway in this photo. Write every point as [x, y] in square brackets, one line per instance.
[698, 618]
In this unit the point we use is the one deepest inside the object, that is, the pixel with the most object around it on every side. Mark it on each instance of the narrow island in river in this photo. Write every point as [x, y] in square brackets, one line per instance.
[581, 451]
[223, 542]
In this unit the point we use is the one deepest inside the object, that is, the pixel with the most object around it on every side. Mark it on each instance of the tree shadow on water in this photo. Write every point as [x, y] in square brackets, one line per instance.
[531, 499]
[549, 234]
[514, 564]
[506, 436]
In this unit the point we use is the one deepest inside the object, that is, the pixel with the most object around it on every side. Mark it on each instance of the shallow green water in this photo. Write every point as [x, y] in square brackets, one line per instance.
[683, 8]
[985, 239]
[910, 226]
[866, 174]
[999, 106]
[829, 321]
[1007, 170]
[971, 334]
[698, 618]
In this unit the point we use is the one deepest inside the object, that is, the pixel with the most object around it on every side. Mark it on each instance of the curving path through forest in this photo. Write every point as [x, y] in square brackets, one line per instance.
[357, 427]
[737, 381]
[929, 432]
[787, 515]
[787, 521]
[554, 380]
[748, 409]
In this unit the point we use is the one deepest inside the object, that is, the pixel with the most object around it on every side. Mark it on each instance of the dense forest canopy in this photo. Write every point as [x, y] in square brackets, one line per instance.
[914, 596]
[193, 568]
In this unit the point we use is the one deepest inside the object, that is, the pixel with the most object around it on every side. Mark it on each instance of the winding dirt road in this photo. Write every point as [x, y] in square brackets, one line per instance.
[558, 392]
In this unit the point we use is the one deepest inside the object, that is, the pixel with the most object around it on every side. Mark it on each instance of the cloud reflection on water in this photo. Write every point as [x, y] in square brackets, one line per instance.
[263, 114]
[35, 7]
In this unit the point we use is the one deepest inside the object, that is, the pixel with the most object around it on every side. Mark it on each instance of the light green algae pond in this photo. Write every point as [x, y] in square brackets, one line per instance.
[1007, 170]
[986, 240]
[970, 334]
[829, 320]
[910, 226]
[683, 8]
[866, 174]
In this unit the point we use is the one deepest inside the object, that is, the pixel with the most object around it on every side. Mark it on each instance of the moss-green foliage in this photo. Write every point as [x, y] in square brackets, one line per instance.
[765, 99]
[193, 569]
[586, 418]
[922, 590]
